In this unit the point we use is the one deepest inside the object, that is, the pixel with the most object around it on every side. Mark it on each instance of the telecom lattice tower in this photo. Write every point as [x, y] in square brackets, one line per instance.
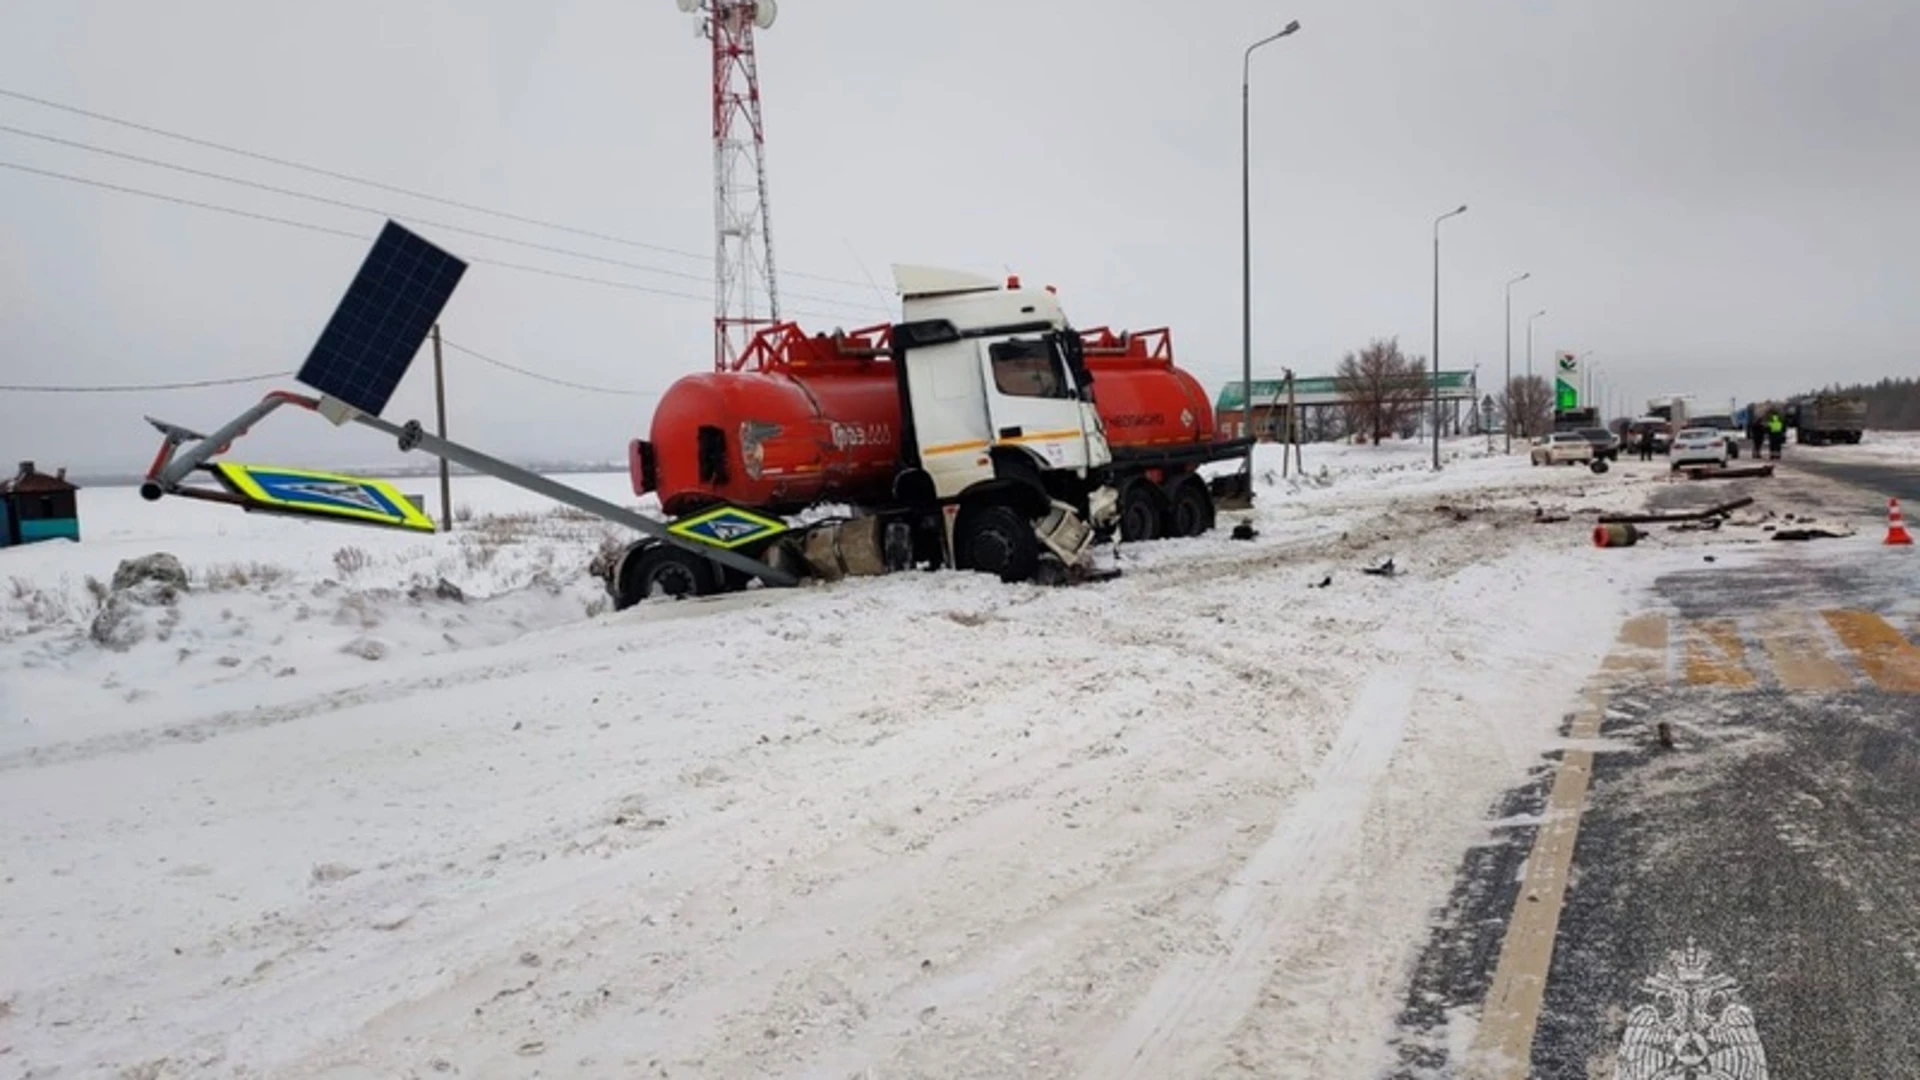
[744, 294]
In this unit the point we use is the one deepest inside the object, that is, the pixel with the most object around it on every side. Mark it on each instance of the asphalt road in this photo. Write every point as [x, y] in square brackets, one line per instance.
[1880, 481]
[1743, 903]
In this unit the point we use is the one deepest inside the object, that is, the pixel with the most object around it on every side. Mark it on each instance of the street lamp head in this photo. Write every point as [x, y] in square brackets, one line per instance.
[1462, 210]
[1520, 279]
[1291, 28]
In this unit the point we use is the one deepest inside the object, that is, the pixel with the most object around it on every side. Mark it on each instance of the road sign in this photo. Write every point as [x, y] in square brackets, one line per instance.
[1566, 383]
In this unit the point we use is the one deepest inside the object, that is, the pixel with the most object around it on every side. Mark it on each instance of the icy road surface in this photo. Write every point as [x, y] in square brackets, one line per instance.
[318, 821]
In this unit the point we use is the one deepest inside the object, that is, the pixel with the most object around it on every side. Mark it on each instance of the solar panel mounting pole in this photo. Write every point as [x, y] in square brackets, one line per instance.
[440, 428]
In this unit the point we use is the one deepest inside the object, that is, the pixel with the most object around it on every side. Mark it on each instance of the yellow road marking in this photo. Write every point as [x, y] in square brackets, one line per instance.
[1798, 658]
[1503, 1048]
[1884, 653]
[1642, 653]
[1716, 656]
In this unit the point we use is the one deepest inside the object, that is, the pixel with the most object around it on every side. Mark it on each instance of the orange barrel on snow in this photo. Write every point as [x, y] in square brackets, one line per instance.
[1616, 534]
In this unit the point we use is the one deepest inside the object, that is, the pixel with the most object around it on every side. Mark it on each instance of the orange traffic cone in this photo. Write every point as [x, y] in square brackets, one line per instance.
[1896, 529]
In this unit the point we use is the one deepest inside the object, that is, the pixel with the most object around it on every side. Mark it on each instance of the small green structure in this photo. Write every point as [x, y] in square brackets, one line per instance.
[35, 507]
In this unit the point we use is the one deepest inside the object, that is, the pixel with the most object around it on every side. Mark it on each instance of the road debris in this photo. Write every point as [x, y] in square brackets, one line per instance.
[1720, 510]
[1616, 534]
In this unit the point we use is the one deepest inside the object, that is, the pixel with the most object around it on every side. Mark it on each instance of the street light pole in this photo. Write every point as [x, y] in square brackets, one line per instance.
[1246, 246]
[1506, 391]
[1436, 330]
[1530, 319]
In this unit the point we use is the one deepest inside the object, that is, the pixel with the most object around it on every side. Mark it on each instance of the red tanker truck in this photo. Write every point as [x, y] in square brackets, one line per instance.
[805, 420]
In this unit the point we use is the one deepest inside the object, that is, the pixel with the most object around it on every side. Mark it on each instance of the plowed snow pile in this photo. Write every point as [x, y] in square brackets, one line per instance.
[341, 821]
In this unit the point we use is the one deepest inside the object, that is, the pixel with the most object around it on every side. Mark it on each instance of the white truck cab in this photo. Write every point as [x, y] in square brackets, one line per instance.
[991, 366]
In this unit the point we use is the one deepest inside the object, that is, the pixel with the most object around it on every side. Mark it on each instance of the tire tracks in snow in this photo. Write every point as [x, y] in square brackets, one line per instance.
[1180, 1027]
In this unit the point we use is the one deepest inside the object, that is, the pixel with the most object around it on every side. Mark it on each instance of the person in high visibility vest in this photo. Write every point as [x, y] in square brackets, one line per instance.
[1776, 435]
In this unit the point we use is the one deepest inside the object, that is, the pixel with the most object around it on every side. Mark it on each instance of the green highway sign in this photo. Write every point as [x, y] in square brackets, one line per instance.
[1325, 390]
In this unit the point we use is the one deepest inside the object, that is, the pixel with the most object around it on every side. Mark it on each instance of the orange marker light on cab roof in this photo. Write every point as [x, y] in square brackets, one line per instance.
[1013, 281]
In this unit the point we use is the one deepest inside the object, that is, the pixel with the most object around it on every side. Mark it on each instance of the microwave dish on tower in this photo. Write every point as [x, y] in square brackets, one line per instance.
[745, 296]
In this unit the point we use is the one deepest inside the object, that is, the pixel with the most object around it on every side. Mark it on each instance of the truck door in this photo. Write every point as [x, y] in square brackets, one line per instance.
[950, 421]
[1032, 401]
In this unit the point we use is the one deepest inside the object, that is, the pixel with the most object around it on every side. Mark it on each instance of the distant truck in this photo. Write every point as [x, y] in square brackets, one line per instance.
[1576, 419]
[1823, 419]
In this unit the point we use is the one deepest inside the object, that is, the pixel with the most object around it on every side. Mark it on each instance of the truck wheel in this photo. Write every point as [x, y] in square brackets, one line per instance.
[1192, 509]
[1139, 512]
[995, 539]
[666, 570]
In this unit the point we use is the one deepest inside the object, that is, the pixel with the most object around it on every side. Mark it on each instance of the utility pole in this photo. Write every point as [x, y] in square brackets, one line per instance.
[1535, 315]
[1436, 330]
[1293, 424]
[1246, 244]
[440, 410]
[1506, 391]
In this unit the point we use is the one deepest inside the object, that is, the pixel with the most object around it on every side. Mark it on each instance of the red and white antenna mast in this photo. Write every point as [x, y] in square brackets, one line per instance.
[744, 295]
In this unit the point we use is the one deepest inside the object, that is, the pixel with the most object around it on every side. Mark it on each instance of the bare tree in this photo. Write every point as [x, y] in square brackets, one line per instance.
[1528, 406]
[1322, 423]
[1383, 388]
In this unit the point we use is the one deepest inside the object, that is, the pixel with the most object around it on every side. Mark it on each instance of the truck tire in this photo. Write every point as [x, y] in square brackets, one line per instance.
[665, 570]
[1140, 511]
[995, 539]
[1192, 512]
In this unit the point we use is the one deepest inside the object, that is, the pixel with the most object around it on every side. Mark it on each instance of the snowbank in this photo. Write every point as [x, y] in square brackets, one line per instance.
[922, 825]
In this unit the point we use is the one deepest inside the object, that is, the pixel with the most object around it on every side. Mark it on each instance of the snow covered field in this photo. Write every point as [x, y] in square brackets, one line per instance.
[1880, 447]
[317, 819]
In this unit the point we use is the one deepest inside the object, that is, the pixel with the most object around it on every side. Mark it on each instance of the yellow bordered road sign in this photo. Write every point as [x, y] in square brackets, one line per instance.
[727, 527]
[320, 494]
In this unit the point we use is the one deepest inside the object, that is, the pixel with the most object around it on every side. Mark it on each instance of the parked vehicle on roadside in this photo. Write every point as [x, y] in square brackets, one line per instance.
[1562, 448]
[1825, 419]
[1699, 446]
[1606, 445]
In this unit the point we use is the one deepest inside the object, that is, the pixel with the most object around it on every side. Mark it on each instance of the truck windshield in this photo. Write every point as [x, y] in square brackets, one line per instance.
[1029, 368]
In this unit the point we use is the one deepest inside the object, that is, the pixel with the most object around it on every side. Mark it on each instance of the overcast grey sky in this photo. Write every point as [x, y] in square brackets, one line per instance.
[1715, 196]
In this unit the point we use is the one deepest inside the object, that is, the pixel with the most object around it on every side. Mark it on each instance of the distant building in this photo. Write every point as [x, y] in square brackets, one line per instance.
[35, 506]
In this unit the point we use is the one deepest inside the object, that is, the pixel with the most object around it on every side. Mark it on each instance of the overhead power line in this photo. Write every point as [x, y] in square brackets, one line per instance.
[364, 238]
[131, 388]
[125, 388]
[393, 188]
[361, 208]
[570, 384]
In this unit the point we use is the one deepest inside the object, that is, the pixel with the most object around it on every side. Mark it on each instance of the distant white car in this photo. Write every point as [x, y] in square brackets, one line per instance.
[1562, 448]
[1699, 446]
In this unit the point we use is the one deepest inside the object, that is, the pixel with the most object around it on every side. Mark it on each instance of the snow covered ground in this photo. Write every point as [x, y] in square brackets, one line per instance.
[317, 819]
[1887, 447]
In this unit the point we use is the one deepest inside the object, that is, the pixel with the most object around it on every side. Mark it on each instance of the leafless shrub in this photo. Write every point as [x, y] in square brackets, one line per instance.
[351, 560]
[237, 575]
[463, 512]
[480, 551]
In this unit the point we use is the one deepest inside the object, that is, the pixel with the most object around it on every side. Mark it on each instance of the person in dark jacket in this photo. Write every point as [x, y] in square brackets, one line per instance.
[1757, 433]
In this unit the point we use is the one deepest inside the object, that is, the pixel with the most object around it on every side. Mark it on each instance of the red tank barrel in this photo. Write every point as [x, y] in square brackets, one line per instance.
[1143, 398]
[803, 420]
